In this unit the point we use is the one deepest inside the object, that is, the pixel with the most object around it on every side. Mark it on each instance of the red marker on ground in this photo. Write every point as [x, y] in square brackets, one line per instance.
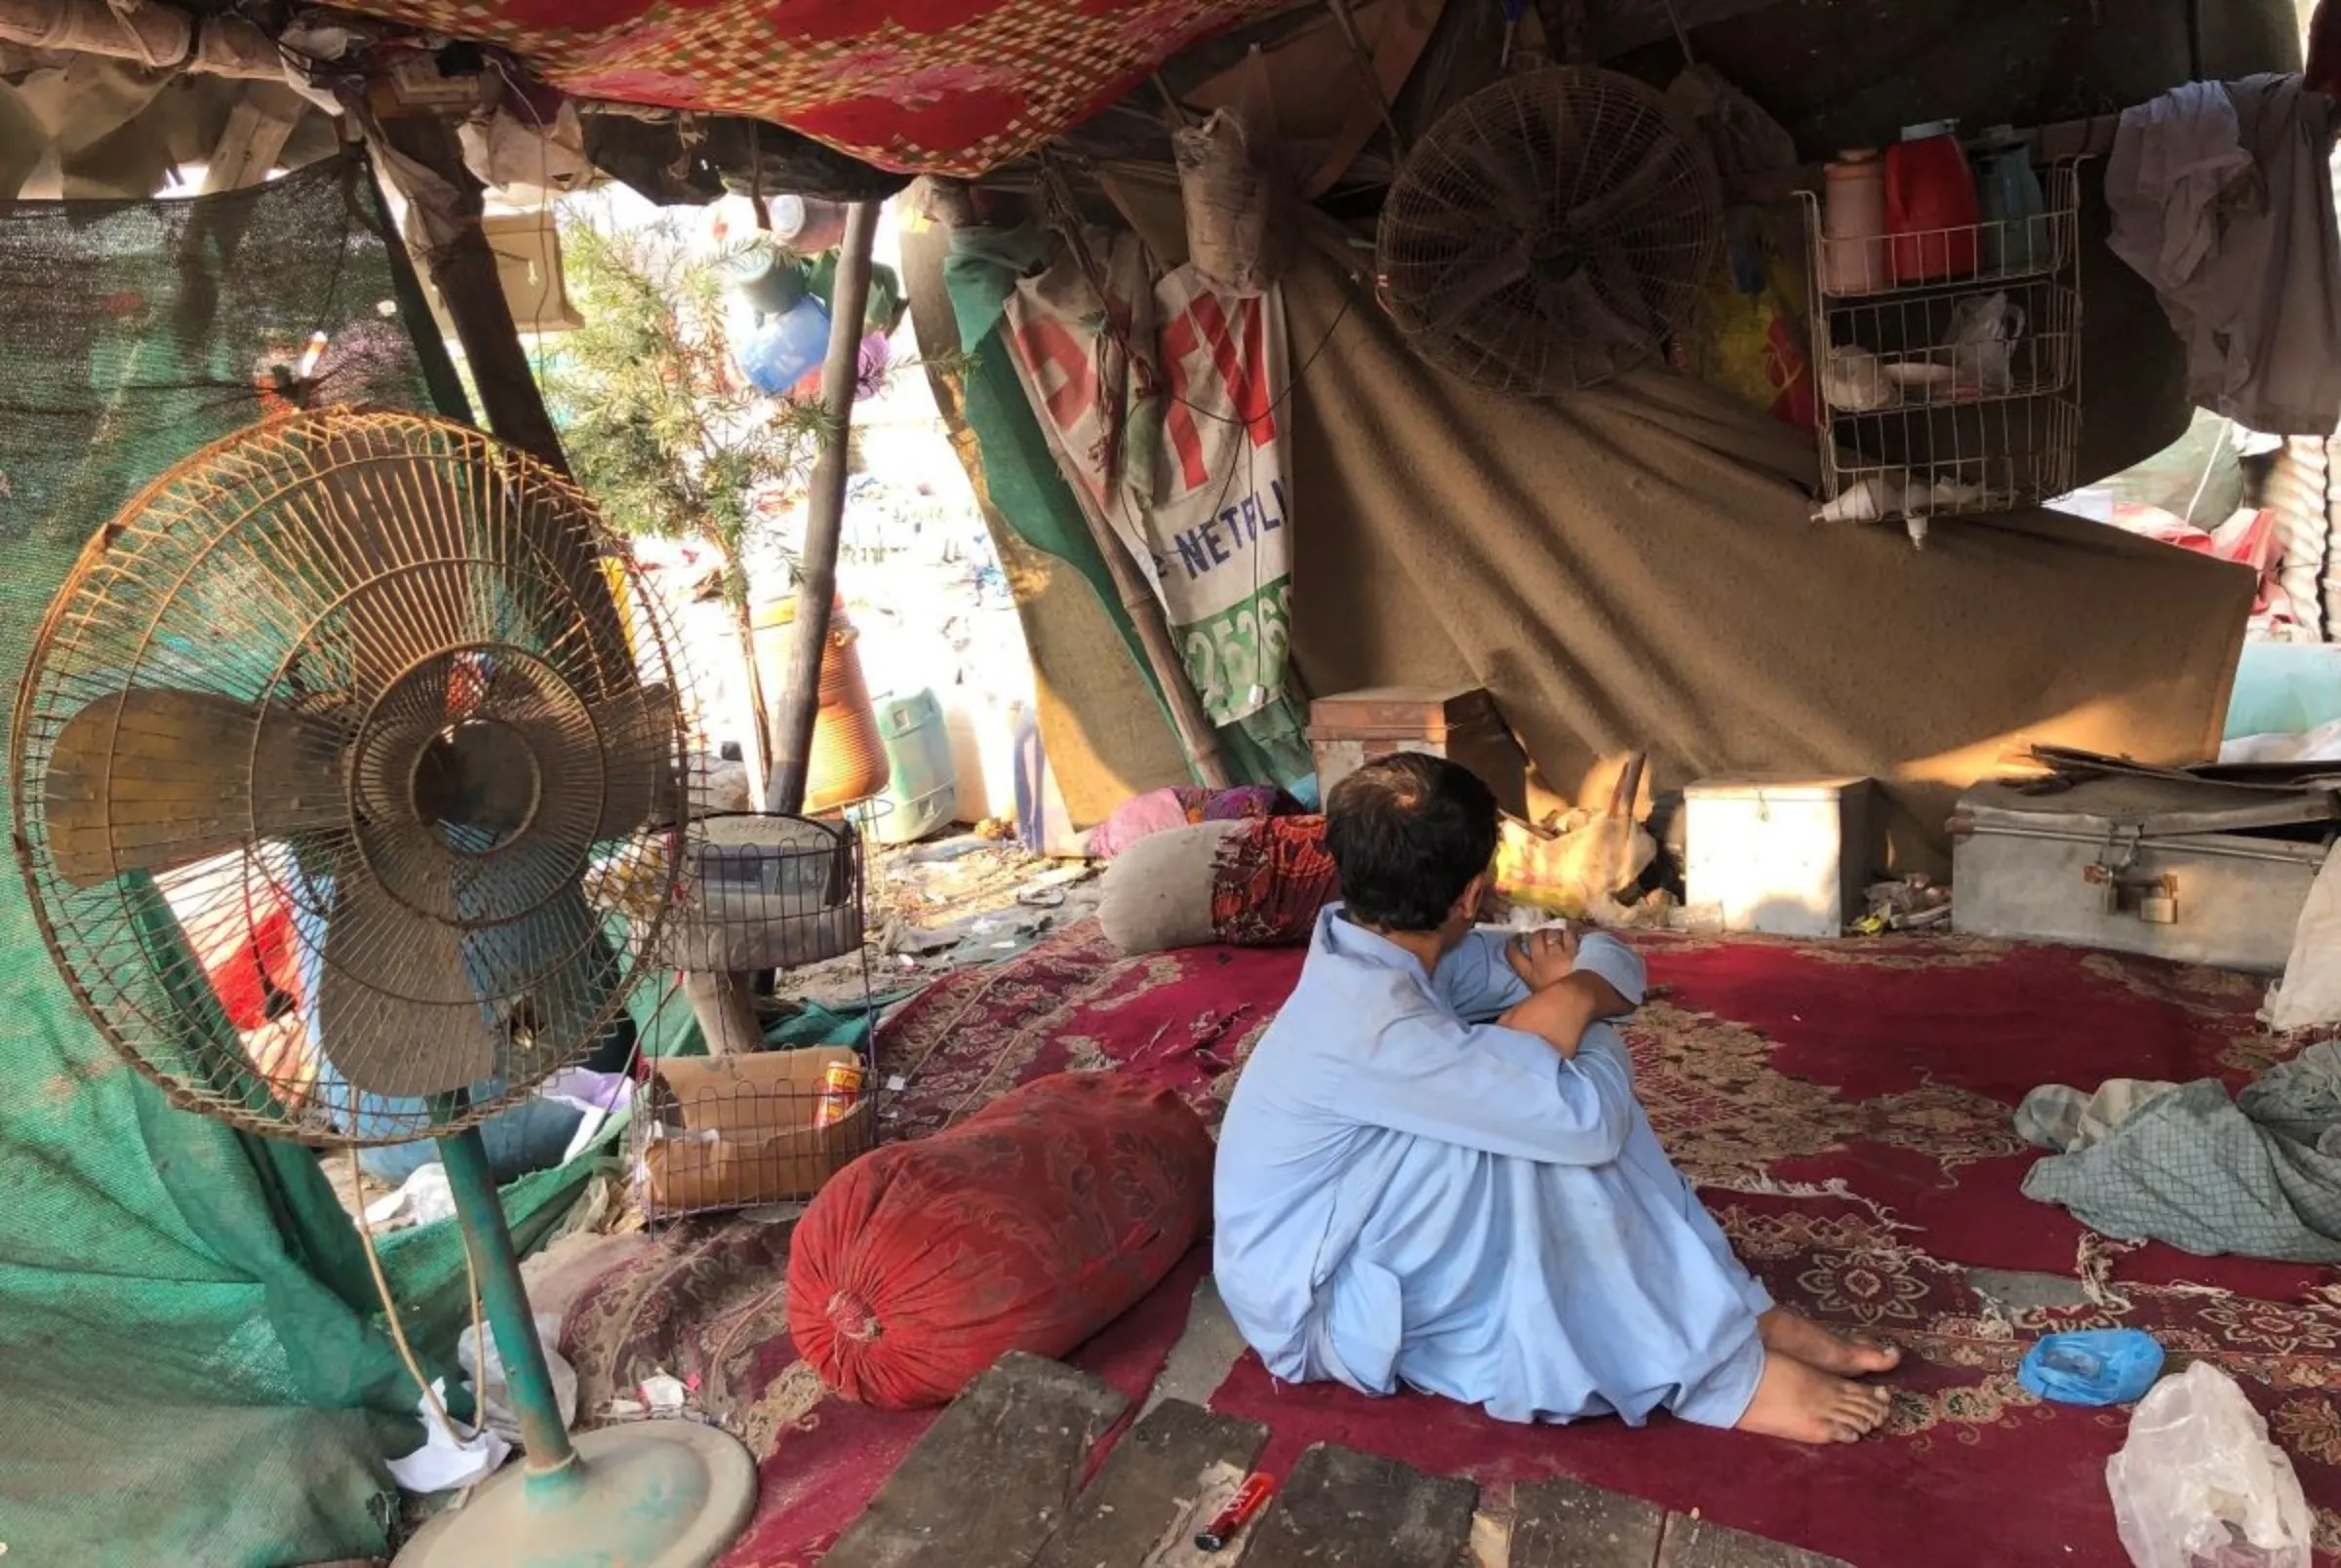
[1249, 1499]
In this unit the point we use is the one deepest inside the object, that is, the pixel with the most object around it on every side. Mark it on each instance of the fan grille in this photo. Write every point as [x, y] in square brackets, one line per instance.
[1550, 231]
[362, 696]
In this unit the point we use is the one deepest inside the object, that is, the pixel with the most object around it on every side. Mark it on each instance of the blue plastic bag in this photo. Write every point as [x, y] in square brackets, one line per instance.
[2100, 1366]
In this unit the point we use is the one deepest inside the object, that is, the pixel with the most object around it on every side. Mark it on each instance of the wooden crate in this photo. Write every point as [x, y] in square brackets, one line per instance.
[1460, 723]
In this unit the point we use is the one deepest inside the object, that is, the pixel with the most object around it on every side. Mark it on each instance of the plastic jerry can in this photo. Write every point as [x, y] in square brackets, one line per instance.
[921, 793]
[1930, 205]
[2014, 207]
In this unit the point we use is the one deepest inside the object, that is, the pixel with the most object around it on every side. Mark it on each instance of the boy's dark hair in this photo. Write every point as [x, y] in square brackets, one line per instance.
[1408, 833]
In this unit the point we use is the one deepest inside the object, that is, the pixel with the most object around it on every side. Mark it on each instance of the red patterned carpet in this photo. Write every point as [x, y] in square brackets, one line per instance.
[1846, 1108]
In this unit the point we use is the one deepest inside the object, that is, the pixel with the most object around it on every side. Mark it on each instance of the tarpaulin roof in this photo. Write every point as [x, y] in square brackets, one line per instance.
[952, 87]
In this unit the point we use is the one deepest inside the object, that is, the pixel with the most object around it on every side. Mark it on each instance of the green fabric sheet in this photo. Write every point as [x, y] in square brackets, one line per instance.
[198, 1372]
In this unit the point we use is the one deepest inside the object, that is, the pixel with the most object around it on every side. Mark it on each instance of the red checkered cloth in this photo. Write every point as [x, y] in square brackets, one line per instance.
[947, 86]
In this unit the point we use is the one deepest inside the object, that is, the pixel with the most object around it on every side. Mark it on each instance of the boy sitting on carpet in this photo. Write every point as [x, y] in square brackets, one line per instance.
[1435, 1173]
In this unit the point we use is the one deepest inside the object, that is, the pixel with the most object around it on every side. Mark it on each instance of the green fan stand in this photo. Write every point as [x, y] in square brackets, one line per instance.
[653, 1493]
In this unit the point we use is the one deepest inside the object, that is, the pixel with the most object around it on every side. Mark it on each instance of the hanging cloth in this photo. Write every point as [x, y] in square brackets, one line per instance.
[2222, 198]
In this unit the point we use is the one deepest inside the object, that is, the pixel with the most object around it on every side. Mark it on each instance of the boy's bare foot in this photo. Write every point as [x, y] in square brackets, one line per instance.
[1807, 1405]
[1787, 1333]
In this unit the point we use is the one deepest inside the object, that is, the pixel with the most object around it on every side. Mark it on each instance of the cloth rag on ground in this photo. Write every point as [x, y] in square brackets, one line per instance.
[2222, 198]
[2256, 1173]
[1028, 1227]
[1409, 1194]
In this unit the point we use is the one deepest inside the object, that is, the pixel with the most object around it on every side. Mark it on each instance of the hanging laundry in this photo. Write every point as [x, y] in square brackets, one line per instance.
[2222, 199]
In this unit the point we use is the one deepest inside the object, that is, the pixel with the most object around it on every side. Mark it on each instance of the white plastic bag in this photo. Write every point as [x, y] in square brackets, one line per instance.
[445, 1461]
[423, 1198]
[495, 1399]
[2198, 1485]
[2309, 993]
[1984, 329]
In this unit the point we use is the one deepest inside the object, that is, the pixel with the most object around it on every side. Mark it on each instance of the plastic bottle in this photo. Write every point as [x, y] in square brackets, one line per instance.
[778, 350]
[1930, 206]
[2012, 206]
[1854, 256]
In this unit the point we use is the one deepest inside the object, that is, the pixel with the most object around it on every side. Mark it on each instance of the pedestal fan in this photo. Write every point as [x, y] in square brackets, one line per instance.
[390, 673]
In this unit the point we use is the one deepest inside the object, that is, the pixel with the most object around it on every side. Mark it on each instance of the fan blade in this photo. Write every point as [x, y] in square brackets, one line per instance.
[540, 974]
[1477, 277]
[396, 1010]
[1629, 193]
[1492, 165]
[638, 736]
[155, 778]
[632, 740]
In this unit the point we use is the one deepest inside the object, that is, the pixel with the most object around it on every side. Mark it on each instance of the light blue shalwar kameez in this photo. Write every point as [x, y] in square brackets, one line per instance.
[1407, 1194]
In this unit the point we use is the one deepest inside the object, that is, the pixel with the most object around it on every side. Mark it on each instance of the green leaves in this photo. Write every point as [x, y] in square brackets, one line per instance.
[657, 421]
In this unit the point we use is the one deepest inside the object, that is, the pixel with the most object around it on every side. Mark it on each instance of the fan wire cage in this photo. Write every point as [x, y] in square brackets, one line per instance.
[1551, 231]
[331, 754]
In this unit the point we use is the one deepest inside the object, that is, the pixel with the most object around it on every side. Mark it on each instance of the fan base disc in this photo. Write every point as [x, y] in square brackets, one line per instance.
[657, 1493]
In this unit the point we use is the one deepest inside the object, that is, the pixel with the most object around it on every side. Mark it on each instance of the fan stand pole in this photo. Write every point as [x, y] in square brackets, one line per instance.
[551, 1460]
[653, 1494]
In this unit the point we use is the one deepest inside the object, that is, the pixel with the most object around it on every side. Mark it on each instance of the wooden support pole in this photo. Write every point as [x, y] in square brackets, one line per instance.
[825, 521]
[1146, 619]
[462, 267]
[724, 1004]
[423, 157]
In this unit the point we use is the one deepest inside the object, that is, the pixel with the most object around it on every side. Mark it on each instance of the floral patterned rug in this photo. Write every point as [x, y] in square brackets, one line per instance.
[1844, 1105]
[1845, 1109]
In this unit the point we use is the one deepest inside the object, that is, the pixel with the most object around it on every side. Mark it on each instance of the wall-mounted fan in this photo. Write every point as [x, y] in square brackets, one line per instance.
[1550, 232]
[390, 675]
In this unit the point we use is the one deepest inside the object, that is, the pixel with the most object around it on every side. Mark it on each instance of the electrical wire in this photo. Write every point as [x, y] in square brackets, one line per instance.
[397, 1323]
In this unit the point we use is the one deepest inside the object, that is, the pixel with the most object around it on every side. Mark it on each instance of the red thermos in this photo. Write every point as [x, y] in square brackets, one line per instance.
[1930, 206]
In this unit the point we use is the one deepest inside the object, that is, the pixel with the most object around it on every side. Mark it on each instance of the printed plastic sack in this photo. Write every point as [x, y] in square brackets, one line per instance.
[495, 1399]
[2198, 1485]
[1747, 332]
[1984, 329]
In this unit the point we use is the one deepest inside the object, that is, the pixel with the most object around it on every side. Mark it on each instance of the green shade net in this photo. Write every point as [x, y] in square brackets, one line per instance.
[1029, 490]
[197, 1370]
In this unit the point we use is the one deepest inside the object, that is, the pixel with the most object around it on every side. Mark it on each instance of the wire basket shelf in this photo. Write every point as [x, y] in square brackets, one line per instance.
[1948, 362]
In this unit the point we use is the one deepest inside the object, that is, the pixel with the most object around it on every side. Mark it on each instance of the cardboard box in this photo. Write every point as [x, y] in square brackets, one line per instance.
[733, 1131]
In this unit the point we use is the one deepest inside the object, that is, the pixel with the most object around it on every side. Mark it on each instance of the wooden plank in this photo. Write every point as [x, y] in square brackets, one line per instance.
[1696, 1544]
[1340, 1509]
[992, 1478]
[1563, 1523]
[1150, 1482]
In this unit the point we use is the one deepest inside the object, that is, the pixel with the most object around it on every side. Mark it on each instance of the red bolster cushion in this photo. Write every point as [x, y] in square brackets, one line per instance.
[1028, 1227]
